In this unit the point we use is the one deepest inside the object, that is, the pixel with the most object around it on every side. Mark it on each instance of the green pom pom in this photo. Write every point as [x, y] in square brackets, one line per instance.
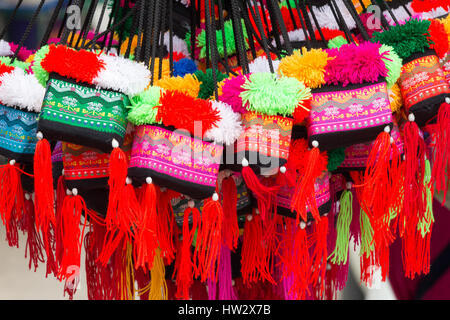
[142, 109]
[337, 42]
[335, 158]
[266, 94]
[393, 63]
[406, 39]
[229, 39]
[16, 63]
[40, 73]
[207, 82]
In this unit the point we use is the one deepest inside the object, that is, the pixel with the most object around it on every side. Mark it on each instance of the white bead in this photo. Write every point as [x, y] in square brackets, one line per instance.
[349, 185]
[191, 204]
[39, 135]
[68, 192]
[257, 211]
[75, 191]
[244, 162]
[315, 143]
[392, 140]
[27, 196]
[328, 266]
[447, 100]
[387, 129]
[62, 172]
[233, 283]
[12, 162]
[302, 225]
[249, 217]
[215, 197]
[325, 214]
[411, 117]
[283, 169]
[149, 180]
[129, 181]
[115, 143]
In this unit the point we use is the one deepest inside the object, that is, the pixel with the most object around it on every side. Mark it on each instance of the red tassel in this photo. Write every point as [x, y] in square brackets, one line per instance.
[34, 246]
[304, 197]
[260, 191]
[185, 266]
[60, 196]
[72, 238]
[209, 240]
[230, 229]
[440, 172]
[166, 224]
[146, 241]
[44, 198]
[11, 195]
[319, 255]
[121, 223]
[254, 262]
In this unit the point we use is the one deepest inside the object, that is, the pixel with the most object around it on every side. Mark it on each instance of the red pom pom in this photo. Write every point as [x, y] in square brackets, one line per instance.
[81, 65]
[302, 111]
[182, 111]
[438, 37]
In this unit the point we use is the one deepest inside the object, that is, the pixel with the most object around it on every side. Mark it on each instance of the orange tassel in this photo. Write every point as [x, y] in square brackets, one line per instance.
[209, 240]
[185, 266]
[146, 241]
[304, 195]
[230, 229]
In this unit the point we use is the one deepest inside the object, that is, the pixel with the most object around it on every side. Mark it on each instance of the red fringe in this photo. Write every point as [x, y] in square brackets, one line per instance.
[166, 224]
[34, 246]
[60, 196]
[11, 198]
[319, 256]
[184, 265]
[230, 228]
[440, 173]
[146, 241]
[208, 241]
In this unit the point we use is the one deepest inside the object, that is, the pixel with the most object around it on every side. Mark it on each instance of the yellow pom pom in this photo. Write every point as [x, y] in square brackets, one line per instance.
[306, 66]
[395, 98]
[188, 84]
[446, 23]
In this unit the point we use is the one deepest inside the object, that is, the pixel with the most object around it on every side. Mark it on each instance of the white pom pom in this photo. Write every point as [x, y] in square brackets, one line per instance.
[215, 197]
[249, 217]
[115, 143]
[387, 129]
[447, 100]
[315, 143]
[244, 162]
[129, 181]
[149, 180]
[283, 169]
[302, 225]
[75, 191]
[411, 117]
[12, 162]
[39, 135]
[191, 204]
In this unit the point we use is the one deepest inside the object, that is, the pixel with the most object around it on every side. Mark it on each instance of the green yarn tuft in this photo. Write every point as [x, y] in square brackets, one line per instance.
[142, 109]
[393, 63]
[335, 158]
[264, 93]
[207, 82]
[406, 39]
[40, 73]
[367, 245]
[16, 63]
[337, 42]
[340, 252]
[229, 39]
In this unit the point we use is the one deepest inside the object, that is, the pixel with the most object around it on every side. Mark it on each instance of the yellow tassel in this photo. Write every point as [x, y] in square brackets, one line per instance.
[306, 66]
[165, 73]
[158, 285]
[124, 46]
[188, 84]
[126, 283]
